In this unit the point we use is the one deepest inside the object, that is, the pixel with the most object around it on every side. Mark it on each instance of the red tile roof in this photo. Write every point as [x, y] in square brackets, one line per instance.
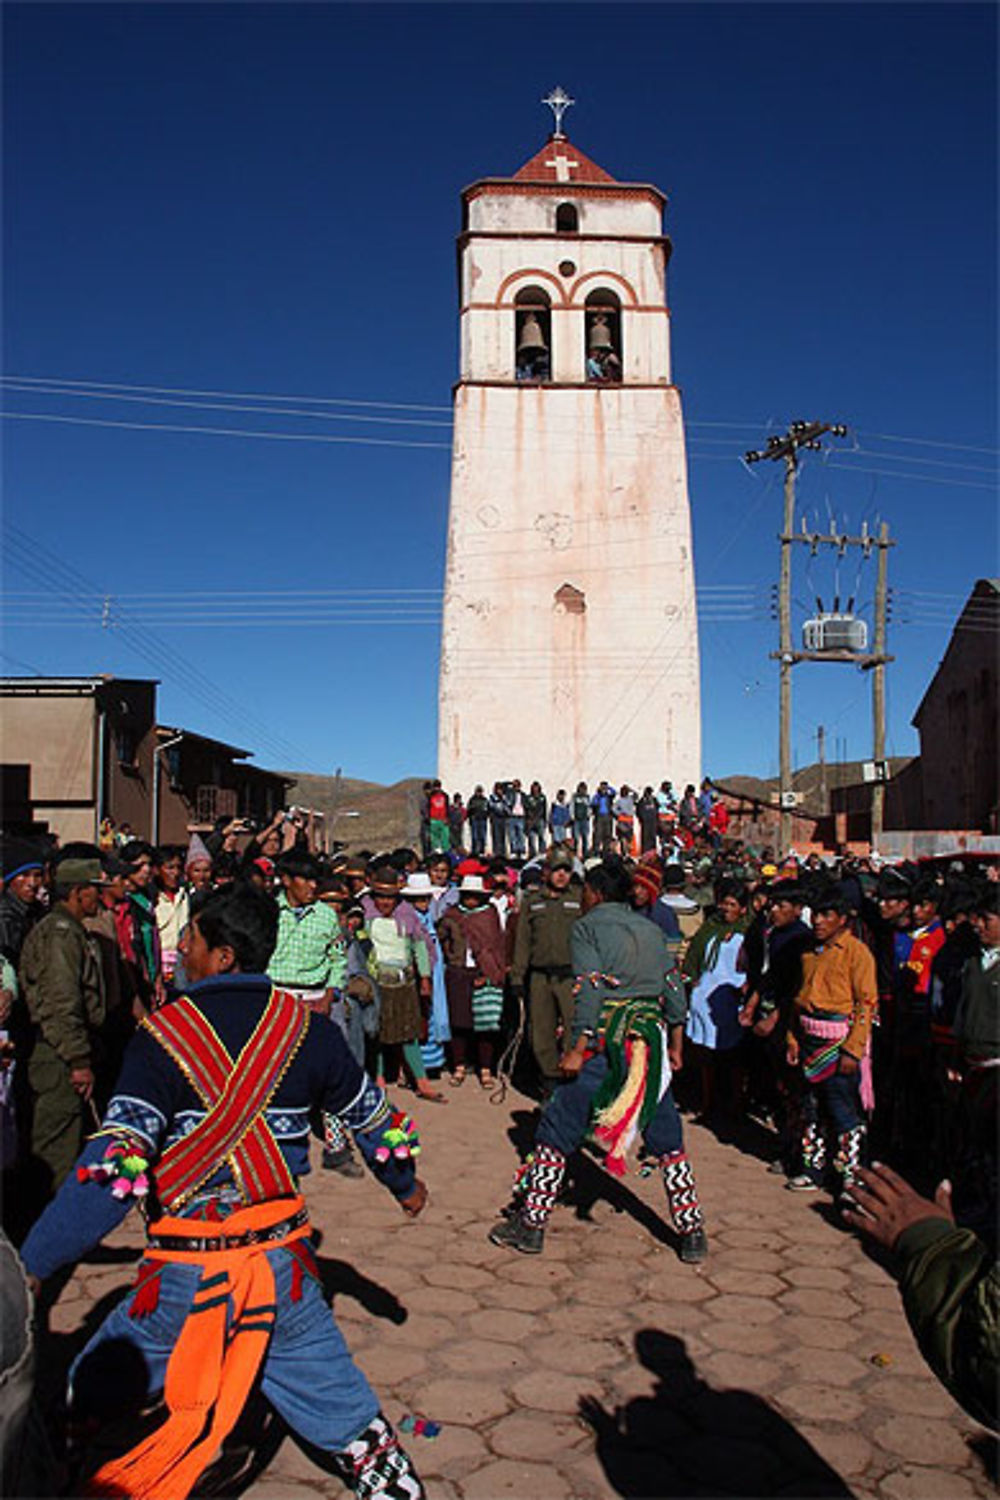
[543, 165]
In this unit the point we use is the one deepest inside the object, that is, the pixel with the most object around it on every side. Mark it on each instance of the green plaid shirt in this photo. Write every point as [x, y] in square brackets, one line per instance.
[310, 952]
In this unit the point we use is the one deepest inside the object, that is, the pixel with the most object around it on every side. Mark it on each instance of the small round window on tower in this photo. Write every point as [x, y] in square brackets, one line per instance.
[567, 268]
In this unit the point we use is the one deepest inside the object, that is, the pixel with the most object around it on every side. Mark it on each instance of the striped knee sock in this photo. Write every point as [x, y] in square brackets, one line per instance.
[682, 1194]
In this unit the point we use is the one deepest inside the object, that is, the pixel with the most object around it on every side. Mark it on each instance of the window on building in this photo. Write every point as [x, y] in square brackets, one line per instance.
[567, 219]
[126, 745]
[532, 334]
[604, 338]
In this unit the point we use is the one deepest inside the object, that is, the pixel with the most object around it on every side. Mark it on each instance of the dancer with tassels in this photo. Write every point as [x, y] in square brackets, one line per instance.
[628, 1030]
[209, 1129]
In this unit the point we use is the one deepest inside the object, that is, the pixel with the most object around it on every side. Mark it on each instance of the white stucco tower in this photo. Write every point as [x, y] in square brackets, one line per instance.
[570, 644]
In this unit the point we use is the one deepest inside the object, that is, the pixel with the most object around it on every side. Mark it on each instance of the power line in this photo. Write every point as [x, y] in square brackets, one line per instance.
[372, 442]
[914, 458]
[890, 437]
[285, 437]
[166, 390]
[13, 384]
[42, 566]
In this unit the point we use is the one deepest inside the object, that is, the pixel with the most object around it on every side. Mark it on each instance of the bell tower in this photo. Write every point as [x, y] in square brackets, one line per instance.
[570, 637]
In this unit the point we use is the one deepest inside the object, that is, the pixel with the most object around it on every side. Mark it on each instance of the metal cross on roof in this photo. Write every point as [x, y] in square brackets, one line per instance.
[559, 102]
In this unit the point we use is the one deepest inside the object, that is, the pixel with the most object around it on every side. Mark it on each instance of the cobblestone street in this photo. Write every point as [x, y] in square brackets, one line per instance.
[782, 1366]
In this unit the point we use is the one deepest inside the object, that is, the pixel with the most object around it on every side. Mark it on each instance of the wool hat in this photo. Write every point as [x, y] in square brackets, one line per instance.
[18, 857]
[474, 884]
[419, 884]
[196, 851]
[649, 878]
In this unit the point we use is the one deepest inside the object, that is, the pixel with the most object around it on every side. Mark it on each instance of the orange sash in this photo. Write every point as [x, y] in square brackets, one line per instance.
[216, 1358]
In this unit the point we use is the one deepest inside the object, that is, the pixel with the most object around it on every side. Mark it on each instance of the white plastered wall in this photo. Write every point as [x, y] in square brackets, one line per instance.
[586, 488]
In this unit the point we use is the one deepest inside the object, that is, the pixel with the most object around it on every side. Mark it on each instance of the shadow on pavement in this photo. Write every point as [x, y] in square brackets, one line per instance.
[340, 1279]
[687, 1439]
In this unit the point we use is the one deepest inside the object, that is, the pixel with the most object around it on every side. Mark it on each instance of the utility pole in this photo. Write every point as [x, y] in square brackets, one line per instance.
[821, 756]
[786, 448]
[878, 684]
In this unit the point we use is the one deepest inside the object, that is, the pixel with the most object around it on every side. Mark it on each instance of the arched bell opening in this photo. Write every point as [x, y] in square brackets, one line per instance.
[567, 219]
[532, 334]
[603, 317]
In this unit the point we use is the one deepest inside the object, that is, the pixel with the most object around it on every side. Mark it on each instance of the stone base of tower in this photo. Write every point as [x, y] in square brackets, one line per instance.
[570, 638]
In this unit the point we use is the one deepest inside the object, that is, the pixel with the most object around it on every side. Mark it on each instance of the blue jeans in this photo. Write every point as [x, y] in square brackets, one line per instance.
[567, 1116]
[581, 831]
[308, 1373]
[477, 827]
[515, 835]
[498, 836]
[536, 841]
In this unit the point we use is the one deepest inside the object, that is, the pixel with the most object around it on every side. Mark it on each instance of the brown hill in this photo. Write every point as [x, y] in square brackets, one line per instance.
[363, 814]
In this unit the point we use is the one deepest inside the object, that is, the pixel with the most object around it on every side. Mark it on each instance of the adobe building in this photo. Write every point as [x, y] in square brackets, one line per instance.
[76, 750]
[957, 722]
[570, 639]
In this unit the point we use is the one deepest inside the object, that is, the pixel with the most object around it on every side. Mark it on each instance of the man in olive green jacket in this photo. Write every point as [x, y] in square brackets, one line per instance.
[949, 1280]
[63, 995]
[542, 958]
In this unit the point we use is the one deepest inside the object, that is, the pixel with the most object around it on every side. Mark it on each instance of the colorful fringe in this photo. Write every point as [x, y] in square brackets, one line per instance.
[637, 1079]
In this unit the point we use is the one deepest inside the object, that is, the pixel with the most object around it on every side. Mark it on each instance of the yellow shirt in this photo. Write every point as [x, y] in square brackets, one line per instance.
[839, 979]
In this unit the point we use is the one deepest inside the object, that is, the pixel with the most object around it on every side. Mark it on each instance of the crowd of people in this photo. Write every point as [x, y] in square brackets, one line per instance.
[519, 823]
[618, 957]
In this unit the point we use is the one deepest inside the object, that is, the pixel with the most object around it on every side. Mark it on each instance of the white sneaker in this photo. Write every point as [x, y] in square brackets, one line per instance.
[801, 1184]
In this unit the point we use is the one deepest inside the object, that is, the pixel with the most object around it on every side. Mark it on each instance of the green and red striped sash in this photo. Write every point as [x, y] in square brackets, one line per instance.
[235, 1096]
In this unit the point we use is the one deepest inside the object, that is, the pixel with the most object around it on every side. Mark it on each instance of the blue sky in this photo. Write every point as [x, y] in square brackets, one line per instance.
[263, 200]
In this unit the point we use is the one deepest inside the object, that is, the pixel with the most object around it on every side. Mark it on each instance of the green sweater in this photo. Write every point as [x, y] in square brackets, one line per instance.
[951, 1295]
[614, 942]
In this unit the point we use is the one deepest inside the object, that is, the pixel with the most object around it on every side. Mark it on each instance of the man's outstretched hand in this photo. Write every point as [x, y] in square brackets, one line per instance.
[413, 1205]
[886, 1205]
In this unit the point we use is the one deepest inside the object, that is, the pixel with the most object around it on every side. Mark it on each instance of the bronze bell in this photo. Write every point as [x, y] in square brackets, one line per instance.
[532, 340]
[600, 336]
